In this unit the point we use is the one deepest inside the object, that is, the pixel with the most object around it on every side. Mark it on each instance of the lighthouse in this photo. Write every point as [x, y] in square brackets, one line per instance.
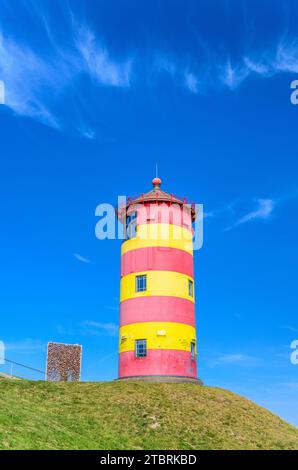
[157, 335]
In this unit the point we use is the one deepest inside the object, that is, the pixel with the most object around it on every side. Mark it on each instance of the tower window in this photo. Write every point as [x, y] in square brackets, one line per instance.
[193, 350]
[141, 347]
[131, 225]
[190, 288]
[141, 283]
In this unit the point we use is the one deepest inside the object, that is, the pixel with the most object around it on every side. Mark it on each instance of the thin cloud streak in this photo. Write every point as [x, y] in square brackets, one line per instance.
[81, 258]
[109, 329]
[287, 57]
[231, 76]
[97, 59]
[290, 328]
[25, 76]
[25, 346]
[236, 359]
[263, 211]
[191, 82]
[221, 71]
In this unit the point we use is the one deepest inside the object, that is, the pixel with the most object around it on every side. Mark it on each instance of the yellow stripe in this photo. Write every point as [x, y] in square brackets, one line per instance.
[163, 235]
[159, 335]
[168, 283]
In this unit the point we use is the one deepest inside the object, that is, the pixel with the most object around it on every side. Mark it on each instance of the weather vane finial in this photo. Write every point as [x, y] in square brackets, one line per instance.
[156, 181]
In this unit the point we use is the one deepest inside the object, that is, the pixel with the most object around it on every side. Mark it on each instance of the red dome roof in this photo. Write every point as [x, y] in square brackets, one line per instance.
[156, 195]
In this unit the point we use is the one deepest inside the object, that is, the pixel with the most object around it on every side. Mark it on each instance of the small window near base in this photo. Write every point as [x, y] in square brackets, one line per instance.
[193, 350]
[190, 288]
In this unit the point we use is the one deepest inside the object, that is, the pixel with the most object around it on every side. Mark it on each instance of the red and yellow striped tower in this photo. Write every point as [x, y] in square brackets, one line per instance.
[157, 312]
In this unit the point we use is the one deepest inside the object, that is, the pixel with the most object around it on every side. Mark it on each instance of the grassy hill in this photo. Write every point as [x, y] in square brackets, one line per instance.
[123, 415]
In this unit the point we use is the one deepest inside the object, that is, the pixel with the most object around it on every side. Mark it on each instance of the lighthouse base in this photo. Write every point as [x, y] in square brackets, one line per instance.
[162, 378]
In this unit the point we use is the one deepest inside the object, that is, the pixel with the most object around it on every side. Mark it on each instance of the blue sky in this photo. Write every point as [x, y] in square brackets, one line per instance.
[96, 93]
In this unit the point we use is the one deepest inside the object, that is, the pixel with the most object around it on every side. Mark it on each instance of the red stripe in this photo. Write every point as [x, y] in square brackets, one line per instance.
[157, 362]
[157, 308]
[157, 259]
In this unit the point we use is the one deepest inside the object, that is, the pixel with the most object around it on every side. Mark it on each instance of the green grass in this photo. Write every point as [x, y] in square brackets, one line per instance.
[133, 415]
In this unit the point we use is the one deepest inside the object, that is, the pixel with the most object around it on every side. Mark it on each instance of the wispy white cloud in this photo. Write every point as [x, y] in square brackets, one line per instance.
[25, 346]
[87, 133]
[37, 83]
[263, 211]
[26, 76]
[291, 328]
[109, 329]
[107, 357]
[286, 59]
[208, 214]
[81, 258]
[231, 358]
[99, 64]
[226, 210]
[232, 76]
[258, 67]
[191, 82]
[162, 64]
[236, 359]
[282, 57]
